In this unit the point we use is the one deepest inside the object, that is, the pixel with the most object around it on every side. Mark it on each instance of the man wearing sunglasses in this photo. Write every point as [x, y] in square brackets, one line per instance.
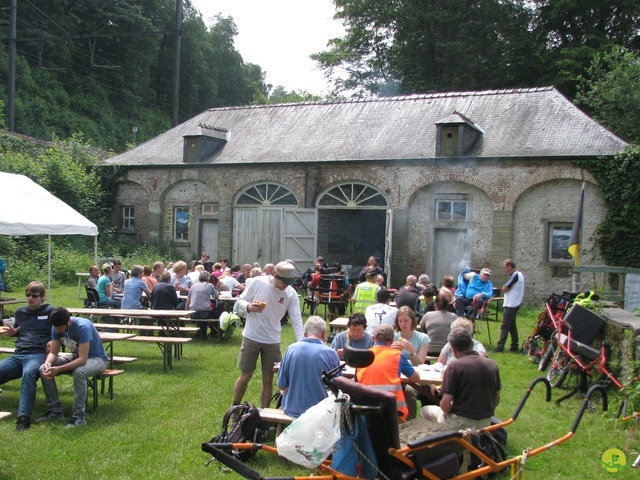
[32, 330]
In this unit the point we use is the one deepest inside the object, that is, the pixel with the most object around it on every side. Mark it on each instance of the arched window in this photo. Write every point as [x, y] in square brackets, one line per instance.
[352, 195]
[266, 195]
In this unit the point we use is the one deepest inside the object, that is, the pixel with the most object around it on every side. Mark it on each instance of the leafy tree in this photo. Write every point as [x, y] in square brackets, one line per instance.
[101, 67]
[611, 92]
[407, 46]
[620, 183]
[574, 31]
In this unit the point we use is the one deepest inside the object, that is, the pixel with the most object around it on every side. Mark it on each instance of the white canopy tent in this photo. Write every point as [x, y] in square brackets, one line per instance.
[29, 209]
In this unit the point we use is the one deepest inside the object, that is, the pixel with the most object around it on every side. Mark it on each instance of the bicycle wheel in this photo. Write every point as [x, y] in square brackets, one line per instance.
[558, 368]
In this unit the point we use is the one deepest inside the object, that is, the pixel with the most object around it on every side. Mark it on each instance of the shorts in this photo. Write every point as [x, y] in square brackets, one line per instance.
[249, 351]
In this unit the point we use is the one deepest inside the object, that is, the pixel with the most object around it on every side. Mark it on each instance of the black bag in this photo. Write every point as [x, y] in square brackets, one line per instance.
[491, 444]
[247, 428]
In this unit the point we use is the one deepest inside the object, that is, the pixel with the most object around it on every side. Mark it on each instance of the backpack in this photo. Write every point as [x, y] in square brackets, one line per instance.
[491, 444]
[247, 428]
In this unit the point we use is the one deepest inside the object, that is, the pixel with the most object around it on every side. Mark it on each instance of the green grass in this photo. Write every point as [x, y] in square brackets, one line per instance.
[154, 426]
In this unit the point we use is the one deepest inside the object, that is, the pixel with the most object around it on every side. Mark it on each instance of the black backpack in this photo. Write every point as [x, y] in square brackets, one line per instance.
[247, 428]
[491, 444]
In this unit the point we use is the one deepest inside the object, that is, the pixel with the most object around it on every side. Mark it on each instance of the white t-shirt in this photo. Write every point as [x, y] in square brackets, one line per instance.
[230, 282]
[264, 327]
[378, 314]
[513, 297]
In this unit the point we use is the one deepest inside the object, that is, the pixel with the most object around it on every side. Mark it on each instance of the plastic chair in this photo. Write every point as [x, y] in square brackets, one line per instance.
[92, 297]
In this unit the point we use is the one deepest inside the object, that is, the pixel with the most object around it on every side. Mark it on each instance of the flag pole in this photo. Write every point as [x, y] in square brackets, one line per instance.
[576, 236]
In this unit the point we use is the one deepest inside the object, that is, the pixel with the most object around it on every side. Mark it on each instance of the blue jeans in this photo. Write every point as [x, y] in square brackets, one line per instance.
[24, 366]
[110, 302]
[92, 367]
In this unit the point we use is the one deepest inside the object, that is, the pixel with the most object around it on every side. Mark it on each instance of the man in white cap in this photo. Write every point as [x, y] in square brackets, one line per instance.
[263, 303]
[478, 291]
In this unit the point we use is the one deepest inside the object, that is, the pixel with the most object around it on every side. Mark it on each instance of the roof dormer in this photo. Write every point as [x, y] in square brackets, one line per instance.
[456, 135]
[204, 143]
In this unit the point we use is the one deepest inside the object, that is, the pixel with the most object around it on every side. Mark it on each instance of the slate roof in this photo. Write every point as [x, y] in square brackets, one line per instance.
[533, 122]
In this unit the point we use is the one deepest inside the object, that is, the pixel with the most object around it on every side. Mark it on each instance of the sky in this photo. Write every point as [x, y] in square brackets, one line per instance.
[279, 35]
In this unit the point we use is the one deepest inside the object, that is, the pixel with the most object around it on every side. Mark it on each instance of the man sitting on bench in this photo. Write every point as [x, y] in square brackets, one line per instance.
[85, 358]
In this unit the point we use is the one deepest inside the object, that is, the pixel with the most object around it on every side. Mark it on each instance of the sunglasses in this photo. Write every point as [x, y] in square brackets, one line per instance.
[33, 295]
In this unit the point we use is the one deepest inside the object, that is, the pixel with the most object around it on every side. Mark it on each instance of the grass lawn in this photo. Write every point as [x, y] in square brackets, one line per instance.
[154, 426]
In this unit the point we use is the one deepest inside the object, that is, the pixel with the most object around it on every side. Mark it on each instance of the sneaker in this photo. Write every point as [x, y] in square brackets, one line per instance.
[50, 416]
[498, 349]
[76, 422]
[23, 423]
[514, 349]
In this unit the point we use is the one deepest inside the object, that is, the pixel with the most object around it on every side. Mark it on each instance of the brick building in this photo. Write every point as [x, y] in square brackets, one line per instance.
[427, 183]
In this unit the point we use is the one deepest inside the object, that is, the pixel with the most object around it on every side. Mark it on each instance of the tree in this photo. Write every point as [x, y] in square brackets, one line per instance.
[620, 183]
[574, 31]
[610, 90]
[407, 46]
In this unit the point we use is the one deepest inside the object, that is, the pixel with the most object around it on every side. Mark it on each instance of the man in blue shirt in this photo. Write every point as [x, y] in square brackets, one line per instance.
[300, 373]
[475, 290]
[85, 357]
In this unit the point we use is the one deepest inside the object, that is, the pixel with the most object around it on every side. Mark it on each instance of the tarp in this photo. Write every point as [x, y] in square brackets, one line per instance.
[29, 209]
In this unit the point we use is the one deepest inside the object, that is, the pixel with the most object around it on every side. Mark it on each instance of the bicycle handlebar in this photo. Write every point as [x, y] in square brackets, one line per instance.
[585, 404]
[528, 392]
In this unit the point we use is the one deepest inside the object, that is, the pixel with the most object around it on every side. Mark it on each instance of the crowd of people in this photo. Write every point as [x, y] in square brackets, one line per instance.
[425, 321]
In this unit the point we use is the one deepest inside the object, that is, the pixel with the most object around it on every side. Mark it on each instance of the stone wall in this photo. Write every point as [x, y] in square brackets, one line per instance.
[511, 202]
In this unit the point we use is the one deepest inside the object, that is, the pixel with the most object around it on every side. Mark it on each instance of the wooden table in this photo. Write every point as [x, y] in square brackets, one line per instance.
[427, 377]
[108, 338]
[81, 276]
[9, 301]
[339, 323]
[171, 317]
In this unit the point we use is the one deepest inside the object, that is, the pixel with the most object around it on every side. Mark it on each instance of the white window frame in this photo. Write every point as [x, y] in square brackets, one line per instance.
[451, 209]
[128, 217]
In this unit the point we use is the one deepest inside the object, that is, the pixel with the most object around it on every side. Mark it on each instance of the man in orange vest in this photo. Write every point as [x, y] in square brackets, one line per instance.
[389, 363]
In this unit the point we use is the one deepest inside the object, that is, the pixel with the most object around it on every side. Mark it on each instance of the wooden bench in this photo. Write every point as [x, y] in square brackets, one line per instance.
[4, 415]
[277, 416]
[144, 328]
[115, 359]
[119, 360]
[166, 346]
[92, 383]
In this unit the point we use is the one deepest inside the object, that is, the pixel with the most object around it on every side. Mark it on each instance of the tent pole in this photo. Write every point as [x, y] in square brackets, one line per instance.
[95, 249]
[49, 263]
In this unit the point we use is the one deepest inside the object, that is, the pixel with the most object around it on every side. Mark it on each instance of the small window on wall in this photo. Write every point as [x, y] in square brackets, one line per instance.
[452, 210]
[181, 224]
[558, 242]
[128, 218]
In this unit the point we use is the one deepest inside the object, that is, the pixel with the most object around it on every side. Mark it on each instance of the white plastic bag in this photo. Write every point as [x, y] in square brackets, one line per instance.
[312, 437]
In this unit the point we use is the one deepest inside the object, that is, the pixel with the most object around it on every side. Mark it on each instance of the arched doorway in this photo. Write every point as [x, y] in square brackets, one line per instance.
[353, 224]
[268, 226]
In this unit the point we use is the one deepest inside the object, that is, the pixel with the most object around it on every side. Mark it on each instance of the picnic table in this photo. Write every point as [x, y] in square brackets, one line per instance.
[108, 338]
[339, 323]
[81, 276]
[9, 301]
[169, 345]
